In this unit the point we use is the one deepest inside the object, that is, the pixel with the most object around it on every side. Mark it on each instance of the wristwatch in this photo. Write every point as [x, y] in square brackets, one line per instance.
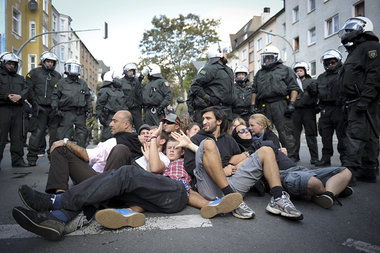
[65, 141]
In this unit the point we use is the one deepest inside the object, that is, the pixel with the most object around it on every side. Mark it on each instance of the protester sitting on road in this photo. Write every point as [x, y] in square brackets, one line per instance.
[238, 172]
[323, 185]
[261, 129]
[192, 129]
[71, 160]
[144, 133]
[172, 123]
[136, 185]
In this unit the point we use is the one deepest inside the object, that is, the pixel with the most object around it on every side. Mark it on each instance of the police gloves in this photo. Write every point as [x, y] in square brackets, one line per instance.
[361, 106]
[160, 110]
[215, 100]
[58, 113]
[289, 111]
[253, 109]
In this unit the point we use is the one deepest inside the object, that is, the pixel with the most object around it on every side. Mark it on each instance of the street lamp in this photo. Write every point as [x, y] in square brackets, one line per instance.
[70, 41]
[282, 37]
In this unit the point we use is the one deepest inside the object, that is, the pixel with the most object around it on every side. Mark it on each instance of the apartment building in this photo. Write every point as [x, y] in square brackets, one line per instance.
[90, 67]
[303, 30]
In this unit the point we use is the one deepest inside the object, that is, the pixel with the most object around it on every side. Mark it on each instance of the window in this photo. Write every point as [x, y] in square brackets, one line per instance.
[284, 28]
[359, 9]
[62, 51]
[244, 55]
[269, 38]
[46, 6]
[284, 55]
[54, 23]
[311, 5]
[32, 28]
[312, 36]
[296, 43]
[332, 25]
[62, 25]
[260, 44]
[251, 44]
[296, 14]
[16, 22]
[31, 61]
[45, 38]
[251, 57]
[313, 70]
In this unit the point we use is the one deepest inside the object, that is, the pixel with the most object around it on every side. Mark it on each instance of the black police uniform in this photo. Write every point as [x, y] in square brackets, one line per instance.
[133, 94]
[41, 85]
[243, 97]
[272, 85]
[304, 116]
[71, 99]
[332, 115]
[110, 100]
[157, 95]
[12, 115]
[362, 69]
[212, 86]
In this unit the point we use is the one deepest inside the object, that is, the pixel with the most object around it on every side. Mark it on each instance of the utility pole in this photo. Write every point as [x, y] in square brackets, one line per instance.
[70, 41]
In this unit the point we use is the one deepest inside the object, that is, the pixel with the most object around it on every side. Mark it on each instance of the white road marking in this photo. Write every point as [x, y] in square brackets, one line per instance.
[14, 231]
[362, 246]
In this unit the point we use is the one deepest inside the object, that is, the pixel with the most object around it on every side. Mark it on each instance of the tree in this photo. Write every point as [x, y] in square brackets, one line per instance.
[175, 43]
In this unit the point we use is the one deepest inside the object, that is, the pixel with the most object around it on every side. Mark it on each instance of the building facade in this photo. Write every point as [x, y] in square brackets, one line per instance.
[90, 67]
[303, 30]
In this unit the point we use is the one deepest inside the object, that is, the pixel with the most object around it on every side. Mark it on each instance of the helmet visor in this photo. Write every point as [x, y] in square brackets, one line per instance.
[73, 68]
[353, 24]
[268, 58]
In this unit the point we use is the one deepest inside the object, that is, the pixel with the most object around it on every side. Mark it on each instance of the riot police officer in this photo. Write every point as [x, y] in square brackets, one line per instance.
[13, 92]
[41, 83]
[304, 115]
[213, 85]
[111, 99]
[156, 95]
[331, 103]
[181, 109]
[71, 100]
[133, 92]
[243, 92]
[360, 78]
[273, 84]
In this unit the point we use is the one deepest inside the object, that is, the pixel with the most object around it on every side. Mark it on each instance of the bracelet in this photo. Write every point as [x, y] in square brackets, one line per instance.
[246, 154]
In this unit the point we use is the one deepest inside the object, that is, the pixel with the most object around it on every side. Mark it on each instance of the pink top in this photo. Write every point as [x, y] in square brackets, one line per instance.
[98, 155]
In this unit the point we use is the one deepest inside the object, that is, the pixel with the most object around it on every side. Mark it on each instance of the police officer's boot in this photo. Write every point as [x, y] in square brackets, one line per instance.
[323, 162]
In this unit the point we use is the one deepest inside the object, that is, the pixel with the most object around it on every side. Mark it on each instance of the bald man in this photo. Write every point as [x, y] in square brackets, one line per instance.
[78, 163]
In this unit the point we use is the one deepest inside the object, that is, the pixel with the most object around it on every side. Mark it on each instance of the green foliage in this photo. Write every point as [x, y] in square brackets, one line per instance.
[175, 43]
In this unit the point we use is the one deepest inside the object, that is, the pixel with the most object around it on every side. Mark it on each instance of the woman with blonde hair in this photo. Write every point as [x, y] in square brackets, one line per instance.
[236, 122]
[261, 129]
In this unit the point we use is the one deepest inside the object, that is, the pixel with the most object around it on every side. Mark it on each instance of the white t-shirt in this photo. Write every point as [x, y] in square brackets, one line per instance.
[144, 163]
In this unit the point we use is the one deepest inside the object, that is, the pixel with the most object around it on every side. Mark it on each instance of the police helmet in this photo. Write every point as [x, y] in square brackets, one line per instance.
[48, 56]
[270, 56]
[352, 28]
[241, 69]
[301, 64]
[327, 56]
[215, 53]
[152, 70]
[128, 67]
[10, 57]
[73, 67]
[180, 100]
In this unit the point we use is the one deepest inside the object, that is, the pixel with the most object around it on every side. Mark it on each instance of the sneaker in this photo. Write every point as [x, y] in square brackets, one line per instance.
[323, 200]
[284, 207]
[117, 218]
[223, 205]
[348, 191]
[243, 211]
[43, 224]
[35, 200]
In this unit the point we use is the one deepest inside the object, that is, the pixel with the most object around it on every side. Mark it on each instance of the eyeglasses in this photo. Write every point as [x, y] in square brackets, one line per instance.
[242, 131]
[169, 122]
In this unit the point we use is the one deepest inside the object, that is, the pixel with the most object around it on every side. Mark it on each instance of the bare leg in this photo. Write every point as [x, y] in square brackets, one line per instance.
[270, 167]
[315, 187]
[137, 209]
[213, 164]
[338, 182]
[196, 200]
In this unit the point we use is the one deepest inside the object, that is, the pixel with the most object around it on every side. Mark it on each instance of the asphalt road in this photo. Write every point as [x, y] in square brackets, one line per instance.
[353, 227]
